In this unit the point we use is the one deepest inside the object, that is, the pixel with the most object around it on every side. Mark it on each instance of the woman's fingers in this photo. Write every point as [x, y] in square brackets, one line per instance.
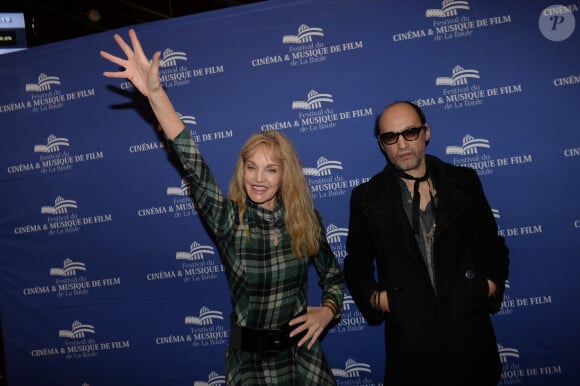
[123, 45]
[137, 49]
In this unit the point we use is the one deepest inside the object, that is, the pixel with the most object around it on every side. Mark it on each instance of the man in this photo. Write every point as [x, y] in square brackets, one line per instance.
[441, 265]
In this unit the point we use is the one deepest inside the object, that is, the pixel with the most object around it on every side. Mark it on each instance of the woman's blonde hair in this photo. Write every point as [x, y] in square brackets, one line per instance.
[301, 220]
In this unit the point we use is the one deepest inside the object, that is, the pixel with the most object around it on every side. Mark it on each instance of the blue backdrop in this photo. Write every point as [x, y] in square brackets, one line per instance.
[107, 276]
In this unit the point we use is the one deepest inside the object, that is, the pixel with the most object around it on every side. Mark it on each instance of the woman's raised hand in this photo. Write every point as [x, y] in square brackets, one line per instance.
[143, 74]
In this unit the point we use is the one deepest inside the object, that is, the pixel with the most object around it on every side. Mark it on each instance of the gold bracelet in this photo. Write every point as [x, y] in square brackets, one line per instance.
[330, 304]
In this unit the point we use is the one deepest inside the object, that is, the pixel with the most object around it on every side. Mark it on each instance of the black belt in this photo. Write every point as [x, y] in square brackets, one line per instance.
[264, 341]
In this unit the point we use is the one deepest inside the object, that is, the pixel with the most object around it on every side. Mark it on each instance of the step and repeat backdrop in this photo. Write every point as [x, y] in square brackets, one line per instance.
[107, 275]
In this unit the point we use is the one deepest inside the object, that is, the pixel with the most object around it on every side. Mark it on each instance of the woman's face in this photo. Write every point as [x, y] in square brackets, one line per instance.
[262, 177]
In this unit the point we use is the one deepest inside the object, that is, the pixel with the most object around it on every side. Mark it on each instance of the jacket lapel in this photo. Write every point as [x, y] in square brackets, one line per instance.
[385, 210]
[452, 202]
[452, 199]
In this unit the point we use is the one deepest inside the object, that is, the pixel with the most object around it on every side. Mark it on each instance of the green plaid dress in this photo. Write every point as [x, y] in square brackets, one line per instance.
[268, 283]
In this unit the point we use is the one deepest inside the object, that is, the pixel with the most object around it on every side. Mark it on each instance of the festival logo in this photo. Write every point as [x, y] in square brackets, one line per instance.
[69, 268]
[305, 34]
[462, 89]
[323, 167]
[45, 82]
[174, 70]
[169, 58]
[469, 146]
[354, 373]
[459, 94]
[470, 154]
[451, 21]
[213, 379]
[513, 373]
[306, 47]
[52, 146]
[449, 8]
[70, 280]
[62, 218]
[351, 319]
[78, 331]
[53, 158]
[336, 239]
[314, 100]
[46, 94]
[557, 22]
[335, 234]
[206, 329]
[79, 343]
[196, 252]
[205, 135]
[206, 317]
[519, 231]
[316, 113]
[510, 304]
[189, 120]
[325, 184]
[182, 190]
[459, 77]
[61, 206]
[200, 263]
[181, 204]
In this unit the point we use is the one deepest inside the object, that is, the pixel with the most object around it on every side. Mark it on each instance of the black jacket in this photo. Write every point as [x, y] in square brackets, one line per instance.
[431, 339]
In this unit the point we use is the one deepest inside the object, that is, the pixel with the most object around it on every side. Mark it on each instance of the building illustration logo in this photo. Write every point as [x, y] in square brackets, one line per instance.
[61, 206]
[507, 352]
[313, 101]
[213, 379]
[352, 369]
[206, 317]
[334, 233]
[169, 58]
[351, 320]
[53, 144]
[69, 268]
[196, 252]
[469, 146]
[78, 331]
[448, 8]
[347, 302]
[323, 167]
[183, 190]
[45, 82]
[305, 34]
[458, 78]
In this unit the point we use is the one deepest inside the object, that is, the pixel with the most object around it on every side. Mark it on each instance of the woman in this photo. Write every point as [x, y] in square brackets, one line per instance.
[268, 233]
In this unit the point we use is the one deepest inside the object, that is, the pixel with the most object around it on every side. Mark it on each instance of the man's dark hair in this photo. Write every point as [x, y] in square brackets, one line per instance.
[414, 106]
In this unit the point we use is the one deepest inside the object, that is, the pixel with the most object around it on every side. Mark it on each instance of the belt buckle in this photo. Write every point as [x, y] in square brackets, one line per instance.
[273, 341]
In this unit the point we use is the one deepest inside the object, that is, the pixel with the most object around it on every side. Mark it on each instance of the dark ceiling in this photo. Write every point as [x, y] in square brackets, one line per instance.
[51, 21]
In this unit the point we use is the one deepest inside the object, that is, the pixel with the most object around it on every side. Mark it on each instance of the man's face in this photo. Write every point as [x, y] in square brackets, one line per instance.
[406, 155]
